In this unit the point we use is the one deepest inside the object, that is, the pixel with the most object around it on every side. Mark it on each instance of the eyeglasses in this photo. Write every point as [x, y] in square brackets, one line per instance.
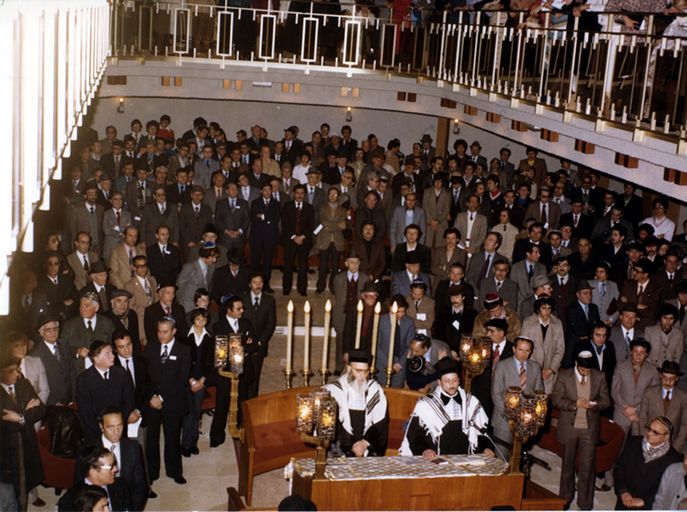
[655, 432]
[109, 467]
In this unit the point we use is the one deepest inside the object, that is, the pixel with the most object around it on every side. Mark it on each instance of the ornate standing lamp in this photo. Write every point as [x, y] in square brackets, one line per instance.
[316, 422]
[475, 356]
[229, 359]
[526, 414]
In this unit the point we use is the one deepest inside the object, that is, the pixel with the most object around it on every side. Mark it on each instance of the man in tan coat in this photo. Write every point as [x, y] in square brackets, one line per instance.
[143, 290]
[122, 257]
[436, 201]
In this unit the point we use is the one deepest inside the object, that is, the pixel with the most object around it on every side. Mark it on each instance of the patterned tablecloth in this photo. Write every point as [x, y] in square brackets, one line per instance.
[403, 467]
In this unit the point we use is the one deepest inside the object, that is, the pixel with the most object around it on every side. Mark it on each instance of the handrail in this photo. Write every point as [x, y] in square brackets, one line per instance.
[607, 71]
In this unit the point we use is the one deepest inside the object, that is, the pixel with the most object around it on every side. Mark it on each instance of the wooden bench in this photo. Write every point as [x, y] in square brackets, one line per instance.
[271, 440]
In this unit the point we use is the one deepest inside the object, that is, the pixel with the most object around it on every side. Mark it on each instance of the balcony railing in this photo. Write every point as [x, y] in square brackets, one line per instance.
[594, 64]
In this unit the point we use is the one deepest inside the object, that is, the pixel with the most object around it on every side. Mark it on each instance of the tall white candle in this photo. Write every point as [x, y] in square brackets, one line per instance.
[289, 337]
[375, 330]
[325, 341]
[306, 349]
[392, 338]
[359, 324]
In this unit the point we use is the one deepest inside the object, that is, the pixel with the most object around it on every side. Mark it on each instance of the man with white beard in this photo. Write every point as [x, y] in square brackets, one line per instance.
[362, 423]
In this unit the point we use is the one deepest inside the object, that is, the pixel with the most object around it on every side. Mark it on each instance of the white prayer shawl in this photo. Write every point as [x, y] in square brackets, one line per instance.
[432, 416]
[375, 403]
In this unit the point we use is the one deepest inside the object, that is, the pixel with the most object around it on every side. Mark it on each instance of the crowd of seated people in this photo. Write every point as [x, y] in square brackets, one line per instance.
[169, 239]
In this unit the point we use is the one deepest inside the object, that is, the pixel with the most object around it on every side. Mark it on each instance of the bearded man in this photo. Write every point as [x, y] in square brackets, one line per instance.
[363, 421]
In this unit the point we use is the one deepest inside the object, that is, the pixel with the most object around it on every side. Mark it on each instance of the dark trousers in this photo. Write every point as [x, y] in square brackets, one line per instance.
[219, 421]
[253, 385]
[330, 255]
[190, 431]
[581, 443]
[172, 453]
[299, 253]
[262, 251]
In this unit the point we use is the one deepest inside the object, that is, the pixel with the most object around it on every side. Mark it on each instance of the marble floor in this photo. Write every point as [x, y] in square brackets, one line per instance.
[213, 470]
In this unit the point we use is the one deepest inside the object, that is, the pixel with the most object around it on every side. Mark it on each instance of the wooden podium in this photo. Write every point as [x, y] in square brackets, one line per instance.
[450, 493]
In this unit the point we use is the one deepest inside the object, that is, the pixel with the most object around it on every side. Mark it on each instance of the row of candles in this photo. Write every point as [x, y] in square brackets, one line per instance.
[324, 368]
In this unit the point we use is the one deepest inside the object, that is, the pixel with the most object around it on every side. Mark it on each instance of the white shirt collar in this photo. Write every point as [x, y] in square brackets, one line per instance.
[93, 321]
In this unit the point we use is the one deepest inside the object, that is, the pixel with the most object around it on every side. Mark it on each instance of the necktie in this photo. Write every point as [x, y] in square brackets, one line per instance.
[89, 323]
[472, 217]
[485, 268]
[164, 250]
[670, 277]
[106, 375]
[232, 203]
[640, 291]
[543, 214]
[182, 189]
[10, 391]
[165, 354]
[576, 219]
[86, 266]
[118, 217]
[585, 308]
[498, 286]
[168, 310]
[584, 379]
[523, 376]
[603, 289]
[162, 209]
[256, 303]
[530, 271]
[599, 349]
[417, 305]
[92, 209]
[628, 340]
[196, 209]
[113, 447]
[666, 403]
[496, 356]
[56, 353]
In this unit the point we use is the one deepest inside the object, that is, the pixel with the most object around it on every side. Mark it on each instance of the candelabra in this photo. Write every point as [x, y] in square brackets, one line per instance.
[526, 414]
[229, 359]
[316, 423]
[475, 356]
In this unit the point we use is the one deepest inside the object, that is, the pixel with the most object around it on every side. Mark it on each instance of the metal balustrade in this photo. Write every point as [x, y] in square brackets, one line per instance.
[632, 77]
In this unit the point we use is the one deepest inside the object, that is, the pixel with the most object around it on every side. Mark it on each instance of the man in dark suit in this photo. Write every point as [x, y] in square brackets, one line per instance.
[264, 233]
[20, 462]
[298, 223]
[642, 291]
[603, 351]
[293, 148]
[456, 277]
[232, 218]
[582, 223]
[128, 453]
[169, 368]
[454, 319]
[101, 386]
[164, 259]
[582, 314]
[372, 253]
[124, 318]
[580, 394]
[97, 466]
[56, 356]
[193, 218]
[481, 264]
[98, 285]
[232, 322]
[87, 216]
[159, 213]
[111, 162]
[231, 279]
[134, 365]
[261, 310]
[179, 193]
[167, 306]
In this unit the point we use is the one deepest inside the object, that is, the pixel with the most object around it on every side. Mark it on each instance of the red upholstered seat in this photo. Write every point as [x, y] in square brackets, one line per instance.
[611, 438]
[58, 471]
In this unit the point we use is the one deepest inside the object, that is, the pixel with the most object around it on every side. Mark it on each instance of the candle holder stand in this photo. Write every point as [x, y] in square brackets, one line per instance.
[288, 374]
[235, 431]
[324, 375]
[306, 377]
[321, 447]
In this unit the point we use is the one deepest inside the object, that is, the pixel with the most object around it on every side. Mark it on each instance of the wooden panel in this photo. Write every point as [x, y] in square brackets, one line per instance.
[178, 81]
[449, 493]
[493, 118]
[518, 126]
[226, 84]
[582, 146]
[412, 97]
[165, 81]
[471, 111]
[401, 96]
[626, 161]
[549, 135]
[116, 80]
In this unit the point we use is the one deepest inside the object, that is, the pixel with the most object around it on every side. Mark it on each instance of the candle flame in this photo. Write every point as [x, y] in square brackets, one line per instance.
[394, 308]
[360, 306]
[378, 308]
[328, 306]
[289, 308]
[306, 307]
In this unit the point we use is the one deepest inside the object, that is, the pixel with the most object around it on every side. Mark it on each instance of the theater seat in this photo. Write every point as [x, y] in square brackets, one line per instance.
[58, 471]
[611, 438]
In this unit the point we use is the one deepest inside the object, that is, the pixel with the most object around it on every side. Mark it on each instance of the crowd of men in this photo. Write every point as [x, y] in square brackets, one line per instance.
[168, 241]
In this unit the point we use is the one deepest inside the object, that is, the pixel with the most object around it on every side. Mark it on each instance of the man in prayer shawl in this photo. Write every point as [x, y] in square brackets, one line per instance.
[362, 423]
[447, 422]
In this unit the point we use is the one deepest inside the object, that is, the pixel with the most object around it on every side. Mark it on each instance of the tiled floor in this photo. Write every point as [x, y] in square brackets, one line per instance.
[213, 470]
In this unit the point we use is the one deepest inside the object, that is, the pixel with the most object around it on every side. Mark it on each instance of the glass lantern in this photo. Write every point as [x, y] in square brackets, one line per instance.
[236, 354]
[326, 419]
[305, 405]
[512, 402]
[221, 351]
